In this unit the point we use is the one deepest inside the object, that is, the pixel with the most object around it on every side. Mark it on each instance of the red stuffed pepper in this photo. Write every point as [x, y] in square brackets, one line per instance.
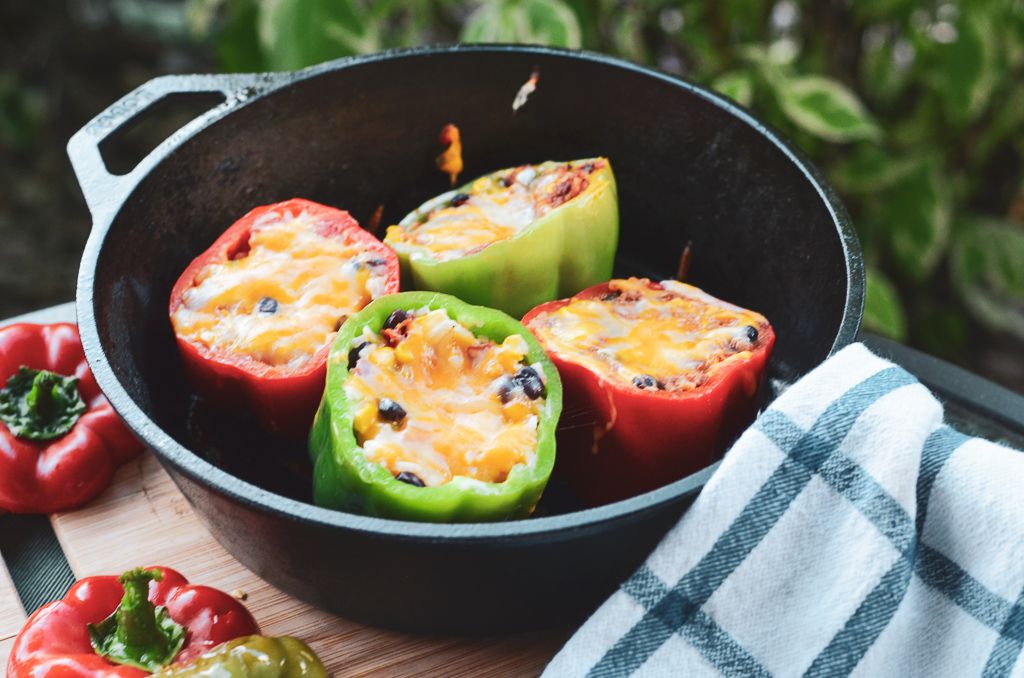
[126, 626]
[255, 314]
[659, 378]
[60, 439]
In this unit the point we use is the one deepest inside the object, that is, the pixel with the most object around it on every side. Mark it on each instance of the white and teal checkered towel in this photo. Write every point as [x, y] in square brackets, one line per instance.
[848, 531]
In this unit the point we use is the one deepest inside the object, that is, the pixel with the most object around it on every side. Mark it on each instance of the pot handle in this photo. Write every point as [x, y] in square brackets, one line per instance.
[105, 191]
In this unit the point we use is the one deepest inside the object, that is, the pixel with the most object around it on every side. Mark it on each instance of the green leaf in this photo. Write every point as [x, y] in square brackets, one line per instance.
[490, 22]
[883, 311]
[886, 10]
[988, 272]
[919, 214]
[868, 169]
[744, 18]
[238, 45]
[200, 15]
[298, 33]
[545, 22]
[882, 78]
[765, 56]
[737, 85]
[967, 69]
[826, 109]
[628, 35]
[1006, 121]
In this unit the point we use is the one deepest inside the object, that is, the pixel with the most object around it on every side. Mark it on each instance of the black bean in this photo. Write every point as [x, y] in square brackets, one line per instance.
[507, 181]
[588, 168]
[751, 333]
[645, 381]
[410, 478]
[267, 305]
[505, 390]
[611, 295]
[531, 383]
[459, 199]
[389, 410]
[353, 355]
[396, 318]
[375, 262]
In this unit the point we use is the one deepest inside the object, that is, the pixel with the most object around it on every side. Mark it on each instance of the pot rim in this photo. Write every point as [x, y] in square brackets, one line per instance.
[183, 460]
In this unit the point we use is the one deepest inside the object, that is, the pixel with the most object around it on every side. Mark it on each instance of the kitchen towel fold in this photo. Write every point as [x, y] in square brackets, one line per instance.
[848, 531]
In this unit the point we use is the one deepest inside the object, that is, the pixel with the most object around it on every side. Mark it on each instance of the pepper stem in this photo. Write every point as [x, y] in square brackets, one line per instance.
[138, 633]
[136, 616]
[40, 405]
[44, 395]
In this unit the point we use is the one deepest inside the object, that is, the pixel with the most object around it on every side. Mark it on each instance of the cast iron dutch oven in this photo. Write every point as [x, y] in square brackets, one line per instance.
[767, 232]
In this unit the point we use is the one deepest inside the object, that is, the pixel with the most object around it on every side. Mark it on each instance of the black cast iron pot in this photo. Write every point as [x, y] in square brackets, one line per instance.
[768, 233]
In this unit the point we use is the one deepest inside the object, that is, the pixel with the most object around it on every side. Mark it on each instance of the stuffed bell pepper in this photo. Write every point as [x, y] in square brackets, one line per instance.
[255, 314]
[514, 238]
[60, 440]
[659, 378]
[435, 410]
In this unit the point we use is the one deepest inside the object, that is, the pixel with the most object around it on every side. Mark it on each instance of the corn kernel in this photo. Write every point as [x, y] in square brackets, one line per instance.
[405, 352]
[516, 410]
[365, 420]
[383, 357]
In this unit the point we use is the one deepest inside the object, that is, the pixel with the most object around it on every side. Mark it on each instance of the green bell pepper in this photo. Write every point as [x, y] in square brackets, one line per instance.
[569, 247]
[252, 657]
[345, 479]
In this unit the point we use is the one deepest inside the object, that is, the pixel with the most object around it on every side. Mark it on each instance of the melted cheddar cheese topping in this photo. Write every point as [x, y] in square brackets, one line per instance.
[284, 299]
[497, 207]
[432, 401]
[664, 336]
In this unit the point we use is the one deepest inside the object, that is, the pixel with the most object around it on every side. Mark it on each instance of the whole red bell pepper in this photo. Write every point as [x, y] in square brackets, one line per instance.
[283, 398]
[127, 626]
[60, 440]
[616, 440]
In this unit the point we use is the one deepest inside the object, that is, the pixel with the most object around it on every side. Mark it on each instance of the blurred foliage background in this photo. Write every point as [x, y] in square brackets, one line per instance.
[914, 110]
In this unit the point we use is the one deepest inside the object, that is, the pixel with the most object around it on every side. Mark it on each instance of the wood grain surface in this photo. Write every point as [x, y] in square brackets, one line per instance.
[12, 616]
[143, 519]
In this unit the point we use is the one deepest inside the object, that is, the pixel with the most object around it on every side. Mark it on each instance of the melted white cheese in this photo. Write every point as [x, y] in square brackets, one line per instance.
[313, 282]
[673, 334]
[449, 383]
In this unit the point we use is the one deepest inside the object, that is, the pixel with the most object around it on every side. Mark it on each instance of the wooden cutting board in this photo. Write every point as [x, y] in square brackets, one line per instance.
[11, 614]
[142, 519]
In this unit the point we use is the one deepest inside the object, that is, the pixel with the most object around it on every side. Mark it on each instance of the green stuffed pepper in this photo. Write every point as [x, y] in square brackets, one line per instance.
[514, 238]
[252, 657]
[435, 410]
